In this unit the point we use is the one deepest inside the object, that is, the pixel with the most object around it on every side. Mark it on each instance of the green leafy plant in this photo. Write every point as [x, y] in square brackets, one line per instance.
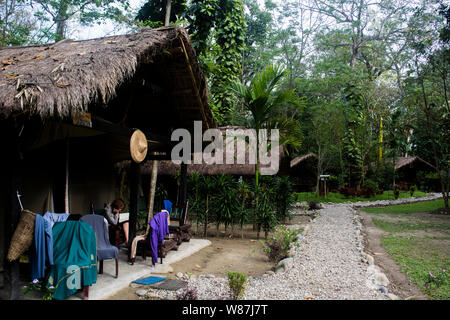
[412, 189]
[277, 247]
[265, 209]
[207, 190]
[244, 194]
[237, 282]
[436, 280]
[37, 285]
[284, 197]
[226, 200]
[396, 192]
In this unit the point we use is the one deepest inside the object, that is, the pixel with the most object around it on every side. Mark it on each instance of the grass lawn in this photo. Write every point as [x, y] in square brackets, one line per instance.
[424, 206]
[340, 198]
[417, 241]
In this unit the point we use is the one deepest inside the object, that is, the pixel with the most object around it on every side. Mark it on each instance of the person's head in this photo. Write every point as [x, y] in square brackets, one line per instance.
[118, 205]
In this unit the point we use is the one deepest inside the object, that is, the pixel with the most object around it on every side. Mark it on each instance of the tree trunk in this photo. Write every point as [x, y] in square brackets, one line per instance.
[258, 231]
[433, 144]
[151, 197]
[61, 21]
[168, 9]
[205, 226]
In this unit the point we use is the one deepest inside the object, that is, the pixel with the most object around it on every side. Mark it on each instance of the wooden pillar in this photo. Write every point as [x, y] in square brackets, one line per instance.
[151, 200]
[11, 209]
[66, 180]
[134, 194]
[183, 185]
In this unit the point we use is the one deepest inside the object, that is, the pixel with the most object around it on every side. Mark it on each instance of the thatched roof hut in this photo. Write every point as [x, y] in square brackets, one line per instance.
[303, 172]
[167, 167]
[61, 79]
[402, 162]
[296, 161]
[67, 112]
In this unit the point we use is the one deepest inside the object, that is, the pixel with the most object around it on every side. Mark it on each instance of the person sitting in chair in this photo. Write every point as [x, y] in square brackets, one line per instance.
[112, 211]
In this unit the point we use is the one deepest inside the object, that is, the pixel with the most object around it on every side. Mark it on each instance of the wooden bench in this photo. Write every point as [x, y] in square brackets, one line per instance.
[182, 230]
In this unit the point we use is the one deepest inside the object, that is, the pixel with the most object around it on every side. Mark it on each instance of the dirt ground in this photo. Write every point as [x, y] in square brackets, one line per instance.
[399, 284]
[228, 252]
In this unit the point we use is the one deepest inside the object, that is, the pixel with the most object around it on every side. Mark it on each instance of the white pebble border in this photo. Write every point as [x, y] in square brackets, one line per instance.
[328, 264]
[378, 203]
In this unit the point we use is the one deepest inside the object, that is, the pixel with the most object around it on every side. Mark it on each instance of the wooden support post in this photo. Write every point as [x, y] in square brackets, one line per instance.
[11, 208]
[183, 185]
[66, 183]
[134, 194]
[151, 200]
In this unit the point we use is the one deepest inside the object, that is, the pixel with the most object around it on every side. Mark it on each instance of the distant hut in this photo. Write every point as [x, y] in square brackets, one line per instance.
[67, 111]
[237, 168]
[303, 171]
[168, 171]
[407, 169]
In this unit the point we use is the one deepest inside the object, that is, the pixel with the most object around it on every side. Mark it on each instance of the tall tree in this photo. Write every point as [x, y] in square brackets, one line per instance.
[154, 12]
[221, 22]
[428, 36]
[16, 23]
[365, 21]
[86, 12]
[264, 100]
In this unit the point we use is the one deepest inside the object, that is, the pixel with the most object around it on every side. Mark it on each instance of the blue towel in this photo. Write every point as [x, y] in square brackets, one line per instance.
[38, 251]
[168, 205]
[149, 280]
[50, 219]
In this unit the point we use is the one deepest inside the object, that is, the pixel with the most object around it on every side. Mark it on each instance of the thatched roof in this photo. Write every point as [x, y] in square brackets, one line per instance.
[298, 160]
[57, 80]
[404, 161]
[167, 167]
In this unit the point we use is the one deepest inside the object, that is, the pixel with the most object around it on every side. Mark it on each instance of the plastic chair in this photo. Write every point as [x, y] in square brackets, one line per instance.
[105, 250]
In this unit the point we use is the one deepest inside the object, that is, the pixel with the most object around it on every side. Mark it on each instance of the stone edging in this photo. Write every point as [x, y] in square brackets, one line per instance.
[377, 203]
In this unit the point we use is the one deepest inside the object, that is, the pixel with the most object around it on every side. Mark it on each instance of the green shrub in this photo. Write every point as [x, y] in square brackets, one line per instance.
[283, 197]
[436, 280]
[372, 184]
[236, 281]
[396, 192]
[412, 189]
[265, 211]
[277, 247]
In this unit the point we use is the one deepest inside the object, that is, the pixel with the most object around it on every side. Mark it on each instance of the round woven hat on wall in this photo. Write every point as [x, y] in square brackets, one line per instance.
[138, 146]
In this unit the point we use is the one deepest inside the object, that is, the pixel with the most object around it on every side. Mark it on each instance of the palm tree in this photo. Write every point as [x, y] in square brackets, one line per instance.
[264, 101]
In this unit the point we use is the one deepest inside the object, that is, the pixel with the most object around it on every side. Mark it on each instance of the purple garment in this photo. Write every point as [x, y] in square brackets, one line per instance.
[159, 229]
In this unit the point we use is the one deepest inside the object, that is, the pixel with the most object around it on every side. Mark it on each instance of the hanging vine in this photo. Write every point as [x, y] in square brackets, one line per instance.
[222, 24]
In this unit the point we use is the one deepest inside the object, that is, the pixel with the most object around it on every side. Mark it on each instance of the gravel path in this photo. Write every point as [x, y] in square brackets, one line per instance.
[329, 263]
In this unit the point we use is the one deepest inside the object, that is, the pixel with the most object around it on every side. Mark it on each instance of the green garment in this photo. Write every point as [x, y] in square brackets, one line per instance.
[74, 257]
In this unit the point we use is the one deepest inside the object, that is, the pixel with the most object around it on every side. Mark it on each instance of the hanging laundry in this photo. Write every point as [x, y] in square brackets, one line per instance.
[38, 250]
[51, 218]
[159, 229]
[75, 258]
